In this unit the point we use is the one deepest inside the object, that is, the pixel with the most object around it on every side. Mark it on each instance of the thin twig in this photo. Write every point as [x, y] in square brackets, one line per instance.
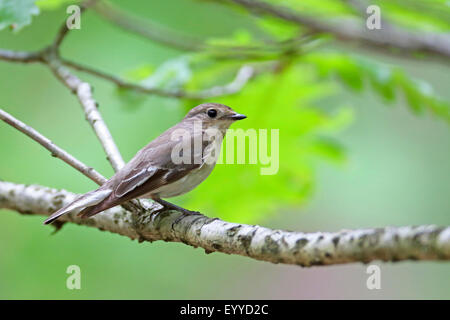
[168, 37]
[84, 93]
[124, 84]
[89, 105]
[53, 148]
[20, 56]
[244, 74]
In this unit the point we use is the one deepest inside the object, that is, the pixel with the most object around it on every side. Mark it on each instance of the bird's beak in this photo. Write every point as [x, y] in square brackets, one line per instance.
[237, 116]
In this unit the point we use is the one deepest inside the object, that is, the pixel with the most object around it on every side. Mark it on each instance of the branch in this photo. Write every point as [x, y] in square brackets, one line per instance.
[84, 94]
[53, 148]
[214, 235]
[20, 56]
[50, 57]
[268, 51]
[392, 37]
[244, 74]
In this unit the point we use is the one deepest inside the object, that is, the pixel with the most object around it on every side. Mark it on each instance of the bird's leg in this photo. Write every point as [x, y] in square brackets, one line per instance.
[171, 206]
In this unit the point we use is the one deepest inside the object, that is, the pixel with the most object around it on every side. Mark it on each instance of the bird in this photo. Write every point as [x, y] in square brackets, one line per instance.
[156, 172]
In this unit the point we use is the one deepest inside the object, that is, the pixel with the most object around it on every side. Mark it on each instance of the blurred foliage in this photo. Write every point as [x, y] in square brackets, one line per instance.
[54, 4]
[422, 15]
[295, 72]
[305, 86]
[16, 14]
[270, 103]
[386, 81]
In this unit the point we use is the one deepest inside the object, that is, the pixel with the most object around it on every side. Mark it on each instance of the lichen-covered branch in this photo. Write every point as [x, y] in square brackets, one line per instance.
[215, 235]
[53, 148]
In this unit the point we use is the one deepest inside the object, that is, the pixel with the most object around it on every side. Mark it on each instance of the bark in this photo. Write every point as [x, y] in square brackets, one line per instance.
[260, 243]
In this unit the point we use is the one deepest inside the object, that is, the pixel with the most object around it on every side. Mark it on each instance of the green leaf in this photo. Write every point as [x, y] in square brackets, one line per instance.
[129, 98]
[172, 74]
[140, 73]
[328, 149]
[424, 15]
[385, 80]
[16, 14]
[343, 66]
[54, 4]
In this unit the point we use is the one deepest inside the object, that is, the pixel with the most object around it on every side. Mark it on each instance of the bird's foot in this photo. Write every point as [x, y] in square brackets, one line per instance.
[170, 206]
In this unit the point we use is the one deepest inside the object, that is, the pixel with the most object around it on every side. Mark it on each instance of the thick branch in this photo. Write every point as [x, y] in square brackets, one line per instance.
[277, 246]
[53, 148]
[391, 37]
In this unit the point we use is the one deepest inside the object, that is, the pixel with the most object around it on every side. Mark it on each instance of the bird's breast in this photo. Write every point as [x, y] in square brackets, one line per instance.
[185, 184]
[196, 176]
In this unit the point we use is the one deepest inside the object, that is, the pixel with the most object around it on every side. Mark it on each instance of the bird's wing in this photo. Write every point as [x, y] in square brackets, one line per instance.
[153, 168]
[149, 170]
[135, 179]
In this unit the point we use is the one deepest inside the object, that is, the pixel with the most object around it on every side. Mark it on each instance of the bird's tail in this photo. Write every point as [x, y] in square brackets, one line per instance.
[82, 202]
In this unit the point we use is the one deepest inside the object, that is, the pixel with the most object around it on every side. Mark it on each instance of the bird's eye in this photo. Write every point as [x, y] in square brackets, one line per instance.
[212, 113]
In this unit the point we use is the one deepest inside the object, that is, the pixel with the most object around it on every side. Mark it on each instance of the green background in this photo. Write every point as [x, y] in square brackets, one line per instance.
[396, 172]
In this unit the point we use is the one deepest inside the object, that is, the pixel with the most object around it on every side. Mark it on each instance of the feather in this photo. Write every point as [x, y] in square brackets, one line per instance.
[87, 200]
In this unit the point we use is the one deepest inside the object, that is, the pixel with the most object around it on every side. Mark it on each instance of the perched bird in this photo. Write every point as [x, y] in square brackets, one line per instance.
[156, 171]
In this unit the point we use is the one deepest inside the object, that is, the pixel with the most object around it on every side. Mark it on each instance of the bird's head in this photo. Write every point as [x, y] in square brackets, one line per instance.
[214, 115]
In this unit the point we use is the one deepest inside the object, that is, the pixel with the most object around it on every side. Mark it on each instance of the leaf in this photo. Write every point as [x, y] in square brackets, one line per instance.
[385, 80]
[239, 37]
[140, 73]
[16, 14]
[329, 149]
[54, 4]
[343, 66]
[381, 80]
[129, 98]
[172, 74]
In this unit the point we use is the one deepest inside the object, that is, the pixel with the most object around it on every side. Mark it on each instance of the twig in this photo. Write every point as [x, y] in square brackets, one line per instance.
[171, 38]
[53, 148]
[260, 243]
[20, 56]
[244, 74]
[89, 105]
[50, 57]
[124, 84]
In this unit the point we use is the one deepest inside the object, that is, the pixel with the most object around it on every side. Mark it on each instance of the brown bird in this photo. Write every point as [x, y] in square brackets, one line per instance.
[156, 171]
